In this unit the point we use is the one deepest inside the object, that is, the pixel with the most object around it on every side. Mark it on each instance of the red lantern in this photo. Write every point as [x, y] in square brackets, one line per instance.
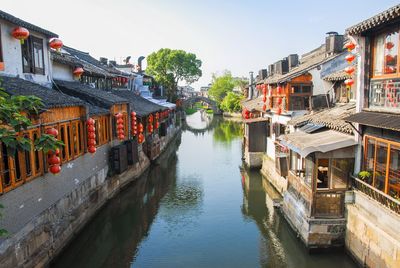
[133, 114]
[150, 118]
[91, 142]
[20, 33]
[90, 122]
[52, 131]
[141, 128]
[57, 152]
[279, 101]
[350, 46]
[78, 72]
[91, 149]
[349, 70]
[56, 44]
[389, 58]
[349, 58]
[157, 125]
[54, 160]
[264, 99]
[55, 169]
[264, 107]
[349, 82]
[389, 45]
[279, 90]
[279, 111]
[91, 128]
[91, 135]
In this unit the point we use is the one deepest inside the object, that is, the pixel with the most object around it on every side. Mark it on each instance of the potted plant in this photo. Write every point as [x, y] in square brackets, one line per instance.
[365, 176]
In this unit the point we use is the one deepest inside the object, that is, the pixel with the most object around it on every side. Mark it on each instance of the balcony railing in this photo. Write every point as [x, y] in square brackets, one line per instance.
[385, 94]
[386, 200]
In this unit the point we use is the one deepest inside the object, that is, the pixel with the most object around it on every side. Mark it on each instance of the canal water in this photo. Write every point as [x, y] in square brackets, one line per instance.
[196, 207]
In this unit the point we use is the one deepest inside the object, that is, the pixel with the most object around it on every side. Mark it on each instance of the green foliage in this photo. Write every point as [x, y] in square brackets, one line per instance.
[227, 131]
[364, 175]
[222, 85]
[47, 143]
[190, 111]
[231, 102]
[169, 67]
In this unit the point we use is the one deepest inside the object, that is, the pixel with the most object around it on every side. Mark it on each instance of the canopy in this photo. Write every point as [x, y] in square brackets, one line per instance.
[324, 141]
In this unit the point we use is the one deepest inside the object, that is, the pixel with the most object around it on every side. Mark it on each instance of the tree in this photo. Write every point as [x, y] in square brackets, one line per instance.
[231, 102]
[15, 113]
[220, 86]
[169, 67]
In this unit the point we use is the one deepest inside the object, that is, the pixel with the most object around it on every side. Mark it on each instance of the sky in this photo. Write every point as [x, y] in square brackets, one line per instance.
[235, 35]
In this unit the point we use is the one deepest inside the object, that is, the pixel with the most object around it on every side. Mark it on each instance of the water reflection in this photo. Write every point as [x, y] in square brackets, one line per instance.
[113, 237]
[195, 209]
[279, 246]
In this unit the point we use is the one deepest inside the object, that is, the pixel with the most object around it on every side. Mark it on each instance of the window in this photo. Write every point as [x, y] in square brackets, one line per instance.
[302, 167]
[102, 130]
[301, 89]
[21, 167]
[386, 46]
[33, 55]
[382, 161]
[340, 171]
[322, 173]
[299, 103]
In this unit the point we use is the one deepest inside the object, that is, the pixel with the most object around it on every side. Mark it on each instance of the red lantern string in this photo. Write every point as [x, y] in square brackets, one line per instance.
[91, 133]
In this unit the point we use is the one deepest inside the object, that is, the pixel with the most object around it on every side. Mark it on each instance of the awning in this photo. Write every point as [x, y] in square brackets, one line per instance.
[374, 119]
[324, 141]
[254, 120]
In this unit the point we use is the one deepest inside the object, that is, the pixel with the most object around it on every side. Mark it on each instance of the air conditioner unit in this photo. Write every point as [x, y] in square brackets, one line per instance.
[119, 158]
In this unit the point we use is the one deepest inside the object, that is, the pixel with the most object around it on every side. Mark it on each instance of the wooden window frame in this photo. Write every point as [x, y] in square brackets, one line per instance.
[373, 56]
[29, 47]
[389, 144]
[21, 158]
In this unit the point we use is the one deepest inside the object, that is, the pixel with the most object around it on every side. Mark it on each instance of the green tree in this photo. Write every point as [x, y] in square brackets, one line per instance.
[231, 102]
[169, 67]
[220, 86]
[15, 113]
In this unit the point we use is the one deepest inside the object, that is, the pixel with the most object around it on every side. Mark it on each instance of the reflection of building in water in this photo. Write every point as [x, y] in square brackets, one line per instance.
[116, 232]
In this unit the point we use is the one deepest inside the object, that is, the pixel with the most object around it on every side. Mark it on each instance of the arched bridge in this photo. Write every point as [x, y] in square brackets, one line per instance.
[190, 101]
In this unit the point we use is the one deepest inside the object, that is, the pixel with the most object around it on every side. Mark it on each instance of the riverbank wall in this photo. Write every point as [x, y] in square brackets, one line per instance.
[42, 217]
[372, 235]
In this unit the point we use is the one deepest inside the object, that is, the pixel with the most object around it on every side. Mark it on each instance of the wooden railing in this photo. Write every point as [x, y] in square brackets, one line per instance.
[329, 204]
[386, 200]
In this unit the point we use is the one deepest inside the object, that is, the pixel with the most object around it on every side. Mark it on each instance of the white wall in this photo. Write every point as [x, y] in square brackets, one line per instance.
[12, 55]
[62, 72]
[319, 86]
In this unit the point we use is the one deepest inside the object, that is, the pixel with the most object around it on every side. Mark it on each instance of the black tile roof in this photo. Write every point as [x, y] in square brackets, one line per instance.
[375, 119]
[70, 60]
[390, 15]
[50, 97]
[97, 97]
[85, 56]
[25, 24]
[96, 110]
[139, 104]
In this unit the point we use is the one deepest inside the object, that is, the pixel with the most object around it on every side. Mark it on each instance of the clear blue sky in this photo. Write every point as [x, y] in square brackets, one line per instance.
[239, 36]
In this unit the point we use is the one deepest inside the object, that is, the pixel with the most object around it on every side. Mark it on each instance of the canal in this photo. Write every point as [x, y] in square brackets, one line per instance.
[196, 207]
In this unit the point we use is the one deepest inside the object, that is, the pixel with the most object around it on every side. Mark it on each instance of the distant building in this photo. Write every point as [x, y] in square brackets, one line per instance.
[186, 91]
[204, 91]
